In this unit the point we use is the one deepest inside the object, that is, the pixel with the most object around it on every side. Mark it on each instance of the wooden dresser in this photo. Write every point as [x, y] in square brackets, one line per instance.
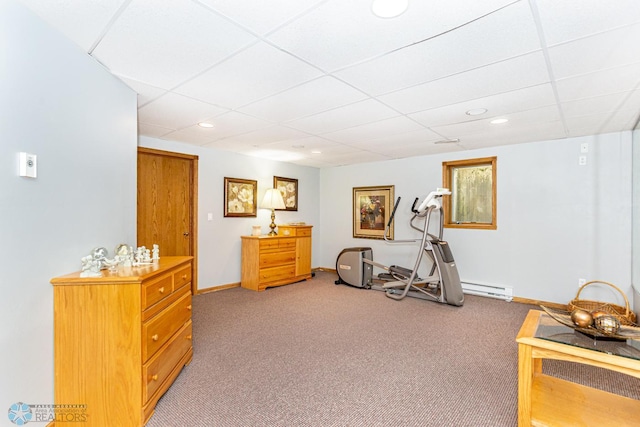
[120, 340]
[276, 260]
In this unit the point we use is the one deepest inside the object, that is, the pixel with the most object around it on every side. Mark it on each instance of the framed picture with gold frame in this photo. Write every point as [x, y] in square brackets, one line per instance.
[371, 209]
[240, 197]
[289, 189]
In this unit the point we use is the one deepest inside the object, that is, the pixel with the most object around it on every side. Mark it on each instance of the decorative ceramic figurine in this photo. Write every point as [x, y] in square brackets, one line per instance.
[90, 267]
[124, 256]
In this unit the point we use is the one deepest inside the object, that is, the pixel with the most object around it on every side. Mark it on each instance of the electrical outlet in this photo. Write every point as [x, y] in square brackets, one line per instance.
[28, 165]
[581, 282]
[582, 160]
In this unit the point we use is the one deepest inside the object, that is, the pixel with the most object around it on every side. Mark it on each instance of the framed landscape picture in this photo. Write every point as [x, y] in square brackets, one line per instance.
[371, 209]
[240, 197]
[289, 189]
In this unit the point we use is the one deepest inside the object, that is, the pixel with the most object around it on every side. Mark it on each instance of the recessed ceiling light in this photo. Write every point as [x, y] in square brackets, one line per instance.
[498, 121]
[389, 8]
[205, 125]
[316, 152]
[476, 111]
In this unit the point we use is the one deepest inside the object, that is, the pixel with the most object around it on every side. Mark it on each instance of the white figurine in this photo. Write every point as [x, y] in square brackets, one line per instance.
[156, 253]
[90, 267]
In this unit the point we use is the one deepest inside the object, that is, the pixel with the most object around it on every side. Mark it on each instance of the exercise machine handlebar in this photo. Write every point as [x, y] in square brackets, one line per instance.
[433, 200]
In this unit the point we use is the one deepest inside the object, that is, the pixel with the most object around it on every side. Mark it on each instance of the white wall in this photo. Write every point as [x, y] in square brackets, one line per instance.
[58, 103]
[557, 221]
[219, 240]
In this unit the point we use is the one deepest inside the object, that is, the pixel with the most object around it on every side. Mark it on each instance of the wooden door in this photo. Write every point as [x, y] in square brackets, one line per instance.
[167, 203]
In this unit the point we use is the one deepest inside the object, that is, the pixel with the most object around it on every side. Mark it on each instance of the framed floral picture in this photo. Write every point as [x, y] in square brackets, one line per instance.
[289, 189]
[371, 209]
[240, 197]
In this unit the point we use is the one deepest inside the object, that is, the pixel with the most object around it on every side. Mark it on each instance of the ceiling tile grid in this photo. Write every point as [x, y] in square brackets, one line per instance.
[286, 78]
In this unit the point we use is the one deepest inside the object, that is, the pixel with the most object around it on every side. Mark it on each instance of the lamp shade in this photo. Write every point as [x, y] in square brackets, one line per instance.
[272, 199]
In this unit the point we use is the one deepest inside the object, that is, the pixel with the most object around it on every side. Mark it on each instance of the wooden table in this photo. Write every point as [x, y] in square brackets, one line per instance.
[544, 400]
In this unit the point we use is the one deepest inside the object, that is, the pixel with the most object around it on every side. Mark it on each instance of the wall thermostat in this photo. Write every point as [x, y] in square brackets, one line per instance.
[28, 165]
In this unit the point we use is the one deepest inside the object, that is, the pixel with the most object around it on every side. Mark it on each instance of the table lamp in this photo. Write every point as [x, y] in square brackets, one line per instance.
[273, 200]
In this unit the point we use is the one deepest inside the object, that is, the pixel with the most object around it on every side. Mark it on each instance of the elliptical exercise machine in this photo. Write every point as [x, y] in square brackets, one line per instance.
[355, 265]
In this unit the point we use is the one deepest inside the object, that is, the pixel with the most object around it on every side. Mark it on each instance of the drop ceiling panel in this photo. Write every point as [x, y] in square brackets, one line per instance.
[594, 124]
[305, 148]
[379, 129]
[234, 123]
[261, 16]
[195, 135]
[146, 93]
[341, 33]
[632, 102]
[397, 140]
[309, 98]
[507, 33]
[344, 117]
[263, 135]
[176, 111]
[295, 71]
[254, 73]
[362, 156]
[523, 118]
[603, 51]
[622, 118]
[313, 163]
[501, 104]
[82, 21]
[417, 149]
[505, 76]
[506, 135]
[611, 80]
[152, 130]
[142, 44]
[596, 105]
[573, 19]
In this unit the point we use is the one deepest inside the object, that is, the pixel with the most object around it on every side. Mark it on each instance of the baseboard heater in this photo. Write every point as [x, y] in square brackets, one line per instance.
[491, 291]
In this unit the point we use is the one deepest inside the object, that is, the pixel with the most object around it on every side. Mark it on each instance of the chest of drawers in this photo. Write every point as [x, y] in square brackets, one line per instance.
[276, 260]
[121, 339]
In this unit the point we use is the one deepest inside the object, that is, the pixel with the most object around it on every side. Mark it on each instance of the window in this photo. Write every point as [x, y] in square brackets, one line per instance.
[472, 203]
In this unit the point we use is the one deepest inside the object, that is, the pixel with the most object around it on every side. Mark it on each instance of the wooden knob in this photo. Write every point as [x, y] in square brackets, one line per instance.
[155, 337]
[161, 290]
[184, 277]
[189, 337]
[154, 377]
[189, 307]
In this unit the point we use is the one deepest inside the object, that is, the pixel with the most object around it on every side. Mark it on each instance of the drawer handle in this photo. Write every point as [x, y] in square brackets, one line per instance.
[161, 290]
[189, 307]
[155, 337]
[189, 337]
[184, 277]
[154, 377]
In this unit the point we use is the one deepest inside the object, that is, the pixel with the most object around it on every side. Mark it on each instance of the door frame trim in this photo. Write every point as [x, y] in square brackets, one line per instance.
[193, 216]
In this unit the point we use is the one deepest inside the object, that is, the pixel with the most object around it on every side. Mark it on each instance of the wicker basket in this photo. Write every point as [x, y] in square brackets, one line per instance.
[623, 314]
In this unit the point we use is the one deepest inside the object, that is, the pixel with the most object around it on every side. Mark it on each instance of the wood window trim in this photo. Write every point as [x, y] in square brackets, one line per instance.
[446, 181]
